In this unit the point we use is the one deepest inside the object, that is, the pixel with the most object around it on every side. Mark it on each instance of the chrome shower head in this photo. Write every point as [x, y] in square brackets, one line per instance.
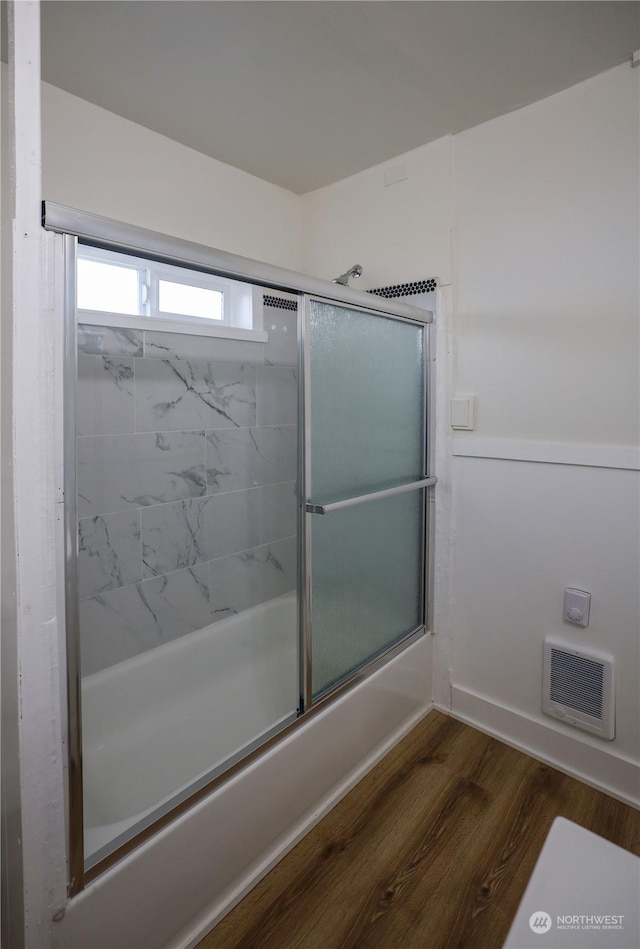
[343, 279]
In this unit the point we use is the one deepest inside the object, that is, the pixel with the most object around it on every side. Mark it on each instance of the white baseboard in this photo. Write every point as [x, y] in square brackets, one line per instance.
[598, 767]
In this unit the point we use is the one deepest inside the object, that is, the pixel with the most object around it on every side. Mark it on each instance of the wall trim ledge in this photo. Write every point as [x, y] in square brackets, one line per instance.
[614, 774]
[555, 453]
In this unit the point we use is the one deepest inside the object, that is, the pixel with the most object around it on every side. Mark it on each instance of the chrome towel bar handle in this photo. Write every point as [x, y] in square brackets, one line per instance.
[312, 508]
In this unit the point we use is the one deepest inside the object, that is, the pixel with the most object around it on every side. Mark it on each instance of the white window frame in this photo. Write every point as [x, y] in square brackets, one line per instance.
[241, 302]
[173, 275]
[96, 255]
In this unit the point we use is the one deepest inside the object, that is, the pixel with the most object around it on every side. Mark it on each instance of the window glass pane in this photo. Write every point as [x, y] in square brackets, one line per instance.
[187, 573]
[189, 301]
[107, 287]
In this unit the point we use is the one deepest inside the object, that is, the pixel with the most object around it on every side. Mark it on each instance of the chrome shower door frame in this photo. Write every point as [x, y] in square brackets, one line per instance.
[74, 670]
[113, 235]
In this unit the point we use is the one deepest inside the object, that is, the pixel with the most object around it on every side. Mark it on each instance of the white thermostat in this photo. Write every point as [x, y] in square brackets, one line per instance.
[577, 604]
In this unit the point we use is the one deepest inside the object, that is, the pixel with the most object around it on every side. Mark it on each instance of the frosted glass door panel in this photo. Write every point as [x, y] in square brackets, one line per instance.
[367, 590]
[367, 401]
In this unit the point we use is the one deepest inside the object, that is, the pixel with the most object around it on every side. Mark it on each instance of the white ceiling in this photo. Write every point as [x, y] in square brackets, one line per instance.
[305, 93]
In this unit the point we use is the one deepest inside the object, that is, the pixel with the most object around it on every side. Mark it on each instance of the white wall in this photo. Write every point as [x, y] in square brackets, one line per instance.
[399, 232]
[543, 495]
[547, 280]
[96, 161]
[546, 336]
[524, 531]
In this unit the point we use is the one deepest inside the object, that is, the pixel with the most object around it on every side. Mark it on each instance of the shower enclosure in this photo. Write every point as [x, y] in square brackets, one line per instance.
[246, 475]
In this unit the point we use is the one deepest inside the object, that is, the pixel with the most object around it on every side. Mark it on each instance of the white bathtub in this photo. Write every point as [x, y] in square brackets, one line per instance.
[172, 888]
[163, 721]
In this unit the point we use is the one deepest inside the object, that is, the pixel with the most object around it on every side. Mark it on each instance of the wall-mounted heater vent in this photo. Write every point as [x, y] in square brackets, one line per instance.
[578, 687]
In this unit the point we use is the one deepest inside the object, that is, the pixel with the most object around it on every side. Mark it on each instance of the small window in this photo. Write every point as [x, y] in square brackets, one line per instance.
[185, 300]
[108, 287]
[112, 282]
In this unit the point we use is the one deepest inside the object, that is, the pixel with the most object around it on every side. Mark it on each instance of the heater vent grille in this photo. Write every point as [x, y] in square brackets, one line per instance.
[578, 687]
[577, 683]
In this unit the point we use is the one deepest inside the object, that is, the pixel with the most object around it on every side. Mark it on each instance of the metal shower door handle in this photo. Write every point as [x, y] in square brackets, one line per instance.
[312, 508]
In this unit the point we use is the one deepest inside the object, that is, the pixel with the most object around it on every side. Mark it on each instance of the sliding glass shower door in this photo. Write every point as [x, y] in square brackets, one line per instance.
[244, 513]
[365, 478]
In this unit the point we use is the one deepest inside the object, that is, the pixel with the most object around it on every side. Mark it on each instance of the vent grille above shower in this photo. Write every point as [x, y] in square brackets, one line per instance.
[578, 688]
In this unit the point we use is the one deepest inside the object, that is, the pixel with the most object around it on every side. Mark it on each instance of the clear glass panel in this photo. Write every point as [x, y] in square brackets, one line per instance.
[107, 287]
[366, 402]
[187, 565]
[367, 590]
[189, 301]
[367, 433]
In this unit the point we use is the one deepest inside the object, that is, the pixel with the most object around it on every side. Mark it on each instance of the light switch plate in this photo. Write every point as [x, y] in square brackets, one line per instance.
[463, 412]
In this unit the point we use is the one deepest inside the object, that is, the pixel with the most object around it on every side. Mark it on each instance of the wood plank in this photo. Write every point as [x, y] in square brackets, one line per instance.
[433, 848]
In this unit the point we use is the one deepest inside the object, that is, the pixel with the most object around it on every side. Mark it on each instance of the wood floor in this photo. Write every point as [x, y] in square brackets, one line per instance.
[432, 850]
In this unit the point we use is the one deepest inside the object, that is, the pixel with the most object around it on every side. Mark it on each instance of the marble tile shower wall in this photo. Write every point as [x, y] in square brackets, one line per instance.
[187, 465]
